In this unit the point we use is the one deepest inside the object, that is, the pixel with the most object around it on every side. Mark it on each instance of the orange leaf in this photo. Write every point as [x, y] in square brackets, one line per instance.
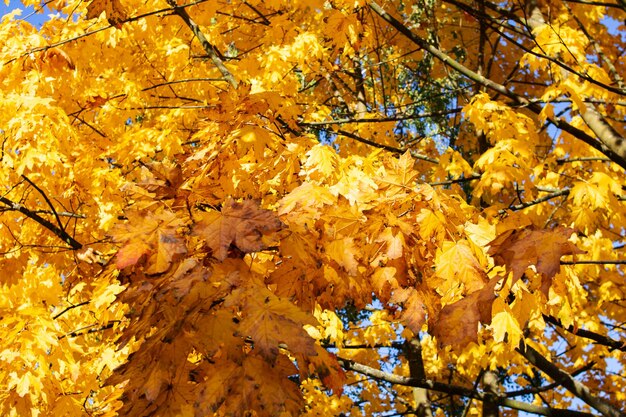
[130, 253]
[58, 58]
[324, 365]
[342, 251]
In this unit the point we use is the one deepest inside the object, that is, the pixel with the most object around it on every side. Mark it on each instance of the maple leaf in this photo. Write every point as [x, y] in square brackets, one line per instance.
[249, 387]
[343, 252]
[160, 178]
[543, 249]
[116, 13]
[321, 162]
[150, 235]
[242, 224]
[325, 366]
[254, 137]
[457, 324]
[58, 57]
[272, 321]
[384, 282]
[456, 264]
[413, 313]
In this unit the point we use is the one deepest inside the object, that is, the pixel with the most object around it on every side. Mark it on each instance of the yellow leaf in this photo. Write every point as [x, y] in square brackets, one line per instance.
[456, 265]
[23, 384]
[321, 162]
[504, 325]
[343, 252]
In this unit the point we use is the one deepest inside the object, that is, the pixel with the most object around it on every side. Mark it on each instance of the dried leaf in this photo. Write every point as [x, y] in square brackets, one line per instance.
[457, 324]
[242, 224]
[271, 321]
[520, 249]
[116, 13]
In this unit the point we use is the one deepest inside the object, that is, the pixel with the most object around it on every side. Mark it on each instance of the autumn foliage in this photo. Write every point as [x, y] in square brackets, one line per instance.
[313, 207]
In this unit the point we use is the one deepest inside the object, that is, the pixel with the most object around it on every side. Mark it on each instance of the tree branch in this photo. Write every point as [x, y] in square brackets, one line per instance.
[413, 351]
[84, 331]
[521, 206]
[351, 365]
[568, 382]
[595, 262]
[210, 49]
[382, 119]
[610, 145]
[385, 147]
[549, 387]
[45, 197]
[74, 244]
[587, 334]
[65, 310]
[456, 181]
[89, 33]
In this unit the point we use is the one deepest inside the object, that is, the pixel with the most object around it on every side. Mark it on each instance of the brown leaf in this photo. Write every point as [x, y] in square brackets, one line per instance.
[151, 234]
[271, 321]
[243, 224]
[413, 314]
[161, 178]
[519, 249]
[59, 58]
[115, 12]
[457, 324]
[325, 366]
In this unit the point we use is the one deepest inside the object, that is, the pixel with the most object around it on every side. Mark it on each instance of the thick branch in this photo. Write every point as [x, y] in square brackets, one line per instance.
[568, 382]
[416, 368]
[490, 383]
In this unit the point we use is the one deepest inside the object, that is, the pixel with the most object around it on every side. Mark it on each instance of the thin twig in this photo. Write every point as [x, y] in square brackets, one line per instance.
[595, 262]
[56, 316]
[209, 48]
[74, 244]
[587, 334]
[543, 199]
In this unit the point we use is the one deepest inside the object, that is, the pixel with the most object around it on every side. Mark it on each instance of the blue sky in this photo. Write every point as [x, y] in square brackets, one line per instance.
[28, 13]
